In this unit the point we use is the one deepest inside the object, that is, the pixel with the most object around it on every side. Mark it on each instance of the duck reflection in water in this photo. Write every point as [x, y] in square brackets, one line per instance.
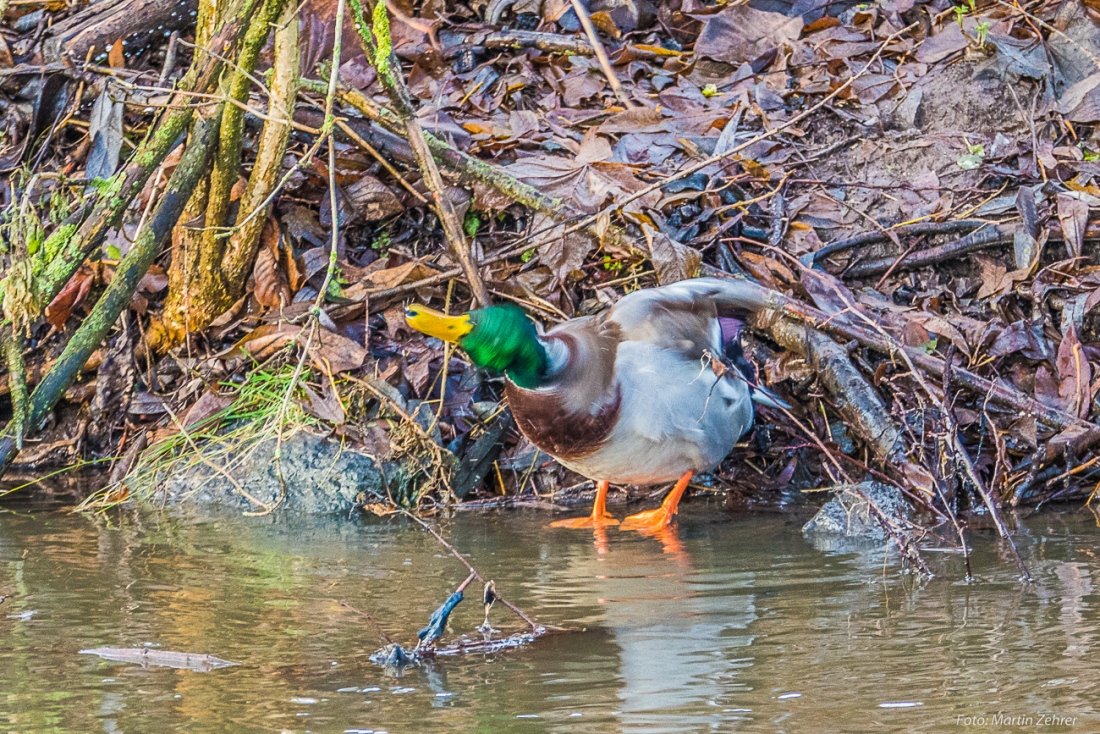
[682, 632]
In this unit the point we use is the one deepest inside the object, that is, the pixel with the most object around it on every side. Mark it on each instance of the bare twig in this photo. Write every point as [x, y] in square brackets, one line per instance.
[535, 626]
[601, 55]
[379, 50]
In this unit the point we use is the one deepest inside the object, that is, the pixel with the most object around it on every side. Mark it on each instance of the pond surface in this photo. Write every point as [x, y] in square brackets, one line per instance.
[737, 624]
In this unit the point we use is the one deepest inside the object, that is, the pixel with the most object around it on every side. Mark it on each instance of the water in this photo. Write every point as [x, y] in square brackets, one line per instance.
[739, 624]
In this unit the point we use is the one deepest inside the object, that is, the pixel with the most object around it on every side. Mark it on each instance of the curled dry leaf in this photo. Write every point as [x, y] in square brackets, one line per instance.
[331, 352]
[327, 407]
[272, 287]
[671, 260]
[562, 253]
[1075, 375]
[1074, 217]
[71, 296]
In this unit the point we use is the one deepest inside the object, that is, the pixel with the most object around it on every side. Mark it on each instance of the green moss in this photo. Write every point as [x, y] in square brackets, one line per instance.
[381, 28]
[57, 242]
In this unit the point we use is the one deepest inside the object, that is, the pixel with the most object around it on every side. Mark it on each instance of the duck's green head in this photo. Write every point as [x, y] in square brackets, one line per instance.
[500, 338]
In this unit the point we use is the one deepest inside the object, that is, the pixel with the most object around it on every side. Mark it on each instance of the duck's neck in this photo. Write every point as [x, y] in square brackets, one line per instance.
[530, 366]
[512, 348]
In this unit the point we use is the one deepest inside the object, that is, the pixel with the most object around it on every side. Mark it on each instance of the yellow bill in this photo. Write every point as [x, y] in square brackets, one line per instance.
[433, 323]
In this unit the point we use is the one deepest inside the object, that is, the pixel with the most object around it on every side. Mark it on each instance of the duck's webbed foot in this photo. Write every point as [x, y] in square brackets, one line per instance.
[599, 517]
[654, 520]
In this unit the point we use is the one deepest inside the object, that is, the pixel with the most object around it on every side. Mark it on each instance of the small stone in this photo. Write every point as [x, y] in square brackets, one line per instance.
[848, 515]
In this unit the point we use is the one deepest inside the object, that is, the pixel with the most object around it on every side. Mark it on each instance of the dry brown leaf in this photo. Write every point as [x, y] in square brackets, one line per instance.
[1075, 375]
[562, 253]
[671, 260]
[272, 288]
[938, 47]
[116, 56]
[393, 277]
[71, 295]
[337, 353]
[941, 327]
[263, 341]
[1074, 217]
[740, 34]
[373, 200]
[211, 403]
[327, 407]
[588, 182]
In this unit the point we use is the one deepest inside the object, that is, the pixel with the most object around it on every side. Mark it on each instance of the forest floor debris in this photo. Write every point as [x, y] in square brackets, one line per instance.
[209, 236]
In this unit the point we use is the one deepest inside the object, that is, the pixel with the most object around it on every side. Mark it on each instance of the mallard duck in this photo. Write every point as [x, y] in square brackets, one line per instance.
[647, 392]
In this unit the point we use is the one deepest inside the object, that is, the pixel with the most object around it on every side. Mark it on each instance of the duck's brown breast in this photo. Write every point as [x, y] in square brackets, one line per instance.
[567, 434]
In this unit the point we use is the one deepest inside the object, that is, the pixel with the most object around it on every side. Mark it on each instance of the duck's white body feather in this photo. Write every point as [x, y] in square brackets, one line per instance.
[648, 362]
[676, 416]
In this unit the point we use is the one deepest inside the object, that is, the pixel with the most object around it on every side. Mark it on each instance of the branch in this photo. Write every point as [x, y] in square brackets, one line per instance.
[262, 183]
[127, 278]
[380, 51]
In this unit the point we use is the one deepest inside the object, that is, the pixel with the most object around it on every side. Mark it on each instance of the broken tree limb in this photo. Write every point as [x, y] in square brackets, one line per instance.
[516, 39]
[127, 278]
[982, 239]
[872, 238]
[868, 416]
[997, 392]
[464, 166]
[95, 28]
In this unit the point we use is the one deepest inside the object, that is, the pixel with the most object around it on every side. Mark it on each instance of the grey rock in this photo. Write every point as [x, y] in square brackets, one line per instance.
[322, 476]
[848, 516]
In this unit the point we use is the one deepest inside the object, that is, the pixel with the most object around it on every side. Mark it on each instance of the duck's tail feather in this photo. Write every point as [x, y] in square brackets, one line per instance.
[764, 396]
[735, 353]
[733, 297]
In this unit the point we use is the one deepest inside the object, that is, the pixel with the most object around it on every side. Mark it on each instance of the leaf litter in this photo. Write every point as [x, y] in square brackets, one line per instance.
[929, 181]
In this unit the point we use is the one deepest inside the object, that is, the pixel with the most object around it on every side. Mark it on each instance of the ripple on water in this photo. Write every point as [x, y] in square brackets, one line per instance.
[738, 622]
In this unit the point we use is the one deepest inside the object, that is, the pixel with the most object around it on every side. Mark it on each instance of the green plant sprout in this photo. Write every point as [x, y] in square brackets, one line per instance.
[982, 29]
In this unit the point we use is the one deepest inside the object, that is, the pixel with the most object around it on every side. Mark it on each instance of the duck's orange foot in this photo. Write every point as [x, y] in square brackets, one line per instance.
[600, 518]
[651, 521]
[592, 521]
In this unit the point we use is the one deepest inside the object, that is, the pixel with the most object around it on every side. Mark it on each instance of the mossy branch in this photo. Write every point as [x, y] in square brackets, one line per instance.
[83, 233]
[380, 50]
[17, 381]
[227, 163]
[264, 178]
[97, 324]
